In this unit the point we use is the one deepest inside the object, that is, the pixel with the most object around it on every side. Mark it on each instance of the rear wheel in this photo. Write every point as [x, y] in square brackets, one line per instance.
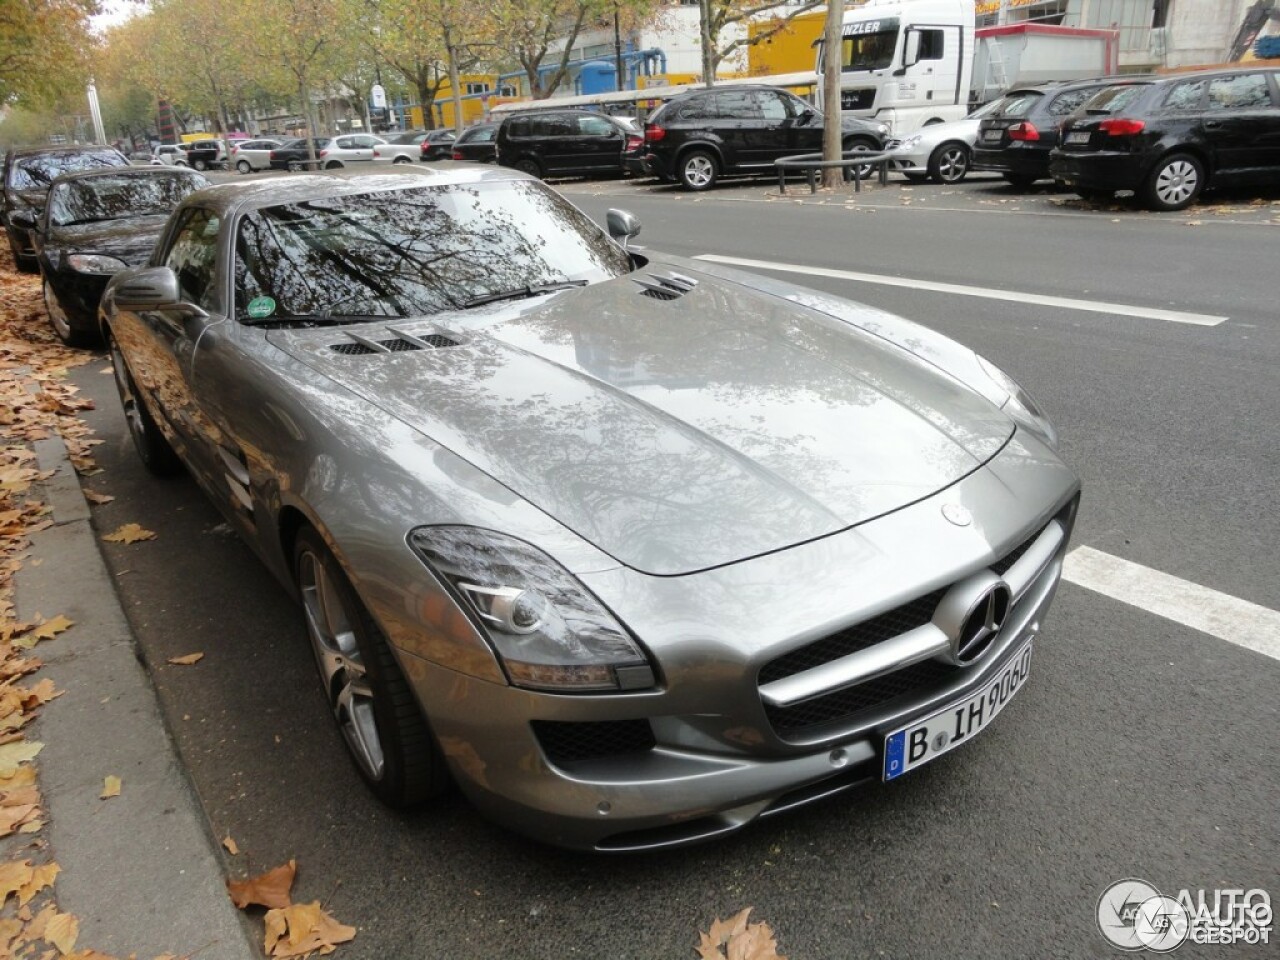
[400, 159]
[23, 263]
[949, 163]
[333, 165]
[200, 165]
[380, 720]
[530, 166]
[698, 170]
[153, 449]
[243, 166]
[1175, 183]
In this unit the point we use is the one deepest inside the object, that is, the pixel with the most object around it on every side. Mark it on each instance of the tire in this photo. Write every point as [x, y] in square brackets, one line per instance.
[949, 163]
[60, 322]
[1022, 181]
[244, 166]
[153, 449]
[386, 734]
[24, 264]
[860, 145]
[530, 166]
[698, 170]
[333, 165]
[1175, 183]
[200, 165]
[400, 160]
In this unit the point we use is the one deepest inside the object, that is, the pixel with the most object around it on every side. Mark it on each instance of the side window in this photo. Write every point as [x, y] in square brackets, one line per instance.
[1185, 96]
[595, 127]
[345, 143]
[518, 128]
[1243, 91]
[772, 108]
[737, 105]
[1067, 102]
[931, 44]
[699, 108]
[193, 256]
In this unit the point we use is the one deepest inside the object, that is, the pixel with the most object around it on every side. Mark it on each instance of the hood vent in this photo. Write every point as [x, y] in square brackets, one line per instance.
[671, 287]
[360, 346]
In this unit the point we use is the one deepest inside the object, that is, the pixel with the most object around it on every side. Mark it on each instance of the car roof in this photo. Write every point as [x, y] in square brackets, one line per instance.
[1233, 71]
[252, 193]
[129, 171]
[19, 153]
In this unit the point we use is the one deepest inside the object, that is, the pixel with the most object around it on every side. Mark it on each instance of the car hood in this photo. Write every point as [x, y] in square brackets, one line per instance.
[130, 240]
[676, 434]
[965, 130]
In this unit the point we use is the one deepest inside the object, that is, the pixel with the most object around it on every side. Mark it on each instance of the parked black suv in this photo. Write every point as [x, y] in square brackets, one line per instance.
[702, 135]
[1015, 140]
[26, 178]
[564, 142]
[1170, 139]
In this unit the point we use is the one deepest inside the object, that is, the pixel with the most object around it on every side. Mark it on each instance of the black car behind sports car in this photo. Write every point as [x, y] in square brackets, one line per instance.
[96, 224]
[477, 144]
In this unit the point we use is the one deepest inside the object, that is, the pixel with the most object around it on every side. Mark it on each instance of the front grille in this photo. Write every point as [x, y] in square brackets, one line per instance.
[843, 706]
[352, 349]
[866, 634]
[395, 345]
[592, 740]
[659, 295]
[1005, 563]
[858, 99]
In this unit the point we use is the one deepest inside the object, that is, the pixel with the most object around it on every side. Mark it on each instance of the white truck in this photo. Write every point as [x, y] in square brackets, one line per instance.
[909, 63]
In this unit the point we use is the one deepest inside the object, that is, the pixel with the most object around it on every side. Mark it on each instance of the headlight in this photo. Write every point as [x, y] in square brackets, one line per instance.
[910, 142]
[95, 263]
[548, 630]
[883, 129]
[1018, 404]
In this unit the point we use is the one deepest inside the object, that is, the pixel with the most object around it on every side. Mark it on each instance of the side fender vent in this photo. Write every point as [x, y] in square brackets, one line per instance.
[673, 286]
[360, 346]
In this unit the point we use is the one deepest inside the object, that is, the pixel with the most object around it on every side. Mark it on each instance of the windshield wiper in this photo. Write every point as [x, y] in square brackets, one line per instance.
[522, 293]
[298, 319]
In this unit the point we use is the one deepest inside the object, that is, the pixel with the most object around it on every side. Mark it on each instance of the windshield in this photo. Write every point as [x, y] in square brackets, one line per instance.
[407, 138]
[1017, 105]
[868, 45]
[407, 253]
[986, 110]
[115, 197]
[40, 171]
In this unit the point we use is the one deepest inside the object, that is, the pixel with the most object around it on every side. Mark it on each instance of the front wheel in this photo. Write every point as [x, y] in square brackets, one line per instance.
[949, 163]
[59, 320]
[530, 166]
[200, 165]
[333, 165]
[863, 171]
[243, 166]
[153, 449]
[384, 729]
[24, 263]
[698, 170]
[1175, 183]
[398, 160]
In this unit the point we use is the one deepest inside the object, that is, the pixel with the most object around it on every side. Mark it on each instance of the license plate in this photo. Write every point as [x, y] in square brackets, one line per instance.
[1078, 136]
[992, 134]
[922, 741]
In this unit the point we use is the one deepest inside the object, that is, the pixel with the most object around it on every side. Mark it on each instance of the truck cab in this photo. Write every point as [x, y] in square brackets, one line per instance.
[906, 63]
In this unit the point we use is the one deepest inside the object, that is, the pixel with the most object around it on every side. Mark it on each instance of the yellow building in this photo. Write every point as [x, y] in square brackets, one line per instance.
[790, 50]
[477, 98]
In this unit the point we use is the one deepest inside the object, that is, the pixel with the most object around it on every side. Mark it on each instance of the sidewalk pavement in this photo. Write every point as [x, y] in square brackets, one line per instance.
[141, 871]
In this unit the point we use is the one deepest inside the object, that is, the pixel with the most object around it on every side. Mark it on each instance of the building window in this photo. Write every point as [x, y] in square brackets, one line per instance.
[477, 87]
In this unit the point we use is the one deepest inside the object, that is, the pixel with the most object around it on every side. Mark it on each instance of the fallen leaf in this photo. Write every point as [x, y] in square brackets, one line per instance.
[309, 930]
[98, 498]
[129, 533]
[13, 875]
[230, 845]
[110, 788]
[61, 931]
[741, 940]
[13, 754]
[41, 877]
[270, 889]
[51, 628]
[186, 660]
[13, 817]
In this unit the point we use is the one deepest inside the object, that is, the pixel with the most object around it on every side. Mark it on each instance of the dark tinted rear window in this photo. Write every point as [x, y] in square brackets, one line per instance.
[1185, 96]
[1018, 105]
[1065, 103]
[40, 171]
[1114, 99]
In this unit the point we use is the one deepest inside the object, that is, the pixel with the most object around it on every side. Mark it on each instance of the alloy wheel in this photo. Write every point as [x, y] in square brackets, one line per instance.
[1177, 183]
[330, 625]
[699, 171]
[953, 164]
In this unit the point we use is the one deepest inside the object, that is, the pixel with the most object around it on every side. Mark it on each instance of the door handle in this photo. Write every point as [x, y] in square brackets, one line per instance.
[1212, 124]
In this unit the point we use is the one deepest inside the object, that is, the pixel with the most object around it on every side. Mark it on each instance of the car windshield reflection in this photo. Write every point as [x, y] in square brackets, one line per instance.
[416, 252]
[116, 197]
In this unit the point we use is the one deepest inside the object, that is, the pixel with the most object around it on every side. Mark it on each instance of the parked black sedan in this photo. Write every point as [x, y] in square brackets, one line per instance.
[477, 144]
[289, 156]
[1170, 139]
[437, 145]
[1015, 140]
[27, 175]
[95, 224]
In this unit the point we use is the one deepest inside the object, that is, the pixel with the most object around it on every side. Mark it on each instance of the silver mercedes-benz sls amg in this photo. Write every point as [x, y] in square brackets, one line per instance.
[634, 549]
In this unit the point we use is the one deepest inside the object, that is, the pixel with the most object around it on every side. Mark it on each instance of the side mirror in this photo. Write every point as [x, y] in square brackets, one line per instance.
[911, 48]
[150, 288]
[623, 226]
[24, 219]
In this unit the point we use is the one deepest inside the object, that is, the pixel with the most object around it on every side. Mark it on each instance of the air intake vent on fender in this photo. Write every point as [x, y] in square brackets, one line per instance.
[671, 287]
[359, 346]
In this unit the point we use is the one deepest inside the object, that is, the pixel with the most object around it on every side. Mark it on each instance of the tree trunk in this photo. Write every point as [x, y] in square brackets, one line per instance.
[305, 94]
[454, 81]
[704, 29]
[832, 55]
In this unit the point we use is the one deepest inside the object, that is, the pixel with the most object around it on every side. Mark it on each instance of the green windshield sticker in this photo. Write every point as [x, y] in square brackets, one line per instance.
[260, 307]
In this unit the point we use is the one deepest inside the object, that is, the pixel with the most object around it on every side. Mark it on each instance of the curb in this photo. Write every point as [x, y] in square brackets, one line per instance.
[141, 871]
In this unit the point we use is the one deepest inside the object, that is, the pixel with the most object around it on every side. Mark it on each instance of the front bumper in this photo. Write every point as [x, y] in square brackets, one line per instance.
[78, 295]
[709, 750]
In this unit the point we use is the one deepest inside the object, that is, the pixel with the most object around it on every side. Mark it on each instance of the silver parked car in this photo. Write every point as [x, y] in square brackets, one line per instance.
[248, 156]
[939, 152]
[634, 549]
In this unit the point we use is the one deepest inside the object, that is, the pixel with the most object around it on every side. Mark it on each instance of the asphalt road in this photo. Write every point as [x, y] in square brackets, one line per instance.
[1140, 748]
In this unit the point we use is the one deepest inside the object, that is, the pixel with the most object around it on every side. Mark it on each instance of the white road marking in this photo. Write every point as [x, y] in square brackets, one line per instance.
[1220, 615]
[989, 293]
